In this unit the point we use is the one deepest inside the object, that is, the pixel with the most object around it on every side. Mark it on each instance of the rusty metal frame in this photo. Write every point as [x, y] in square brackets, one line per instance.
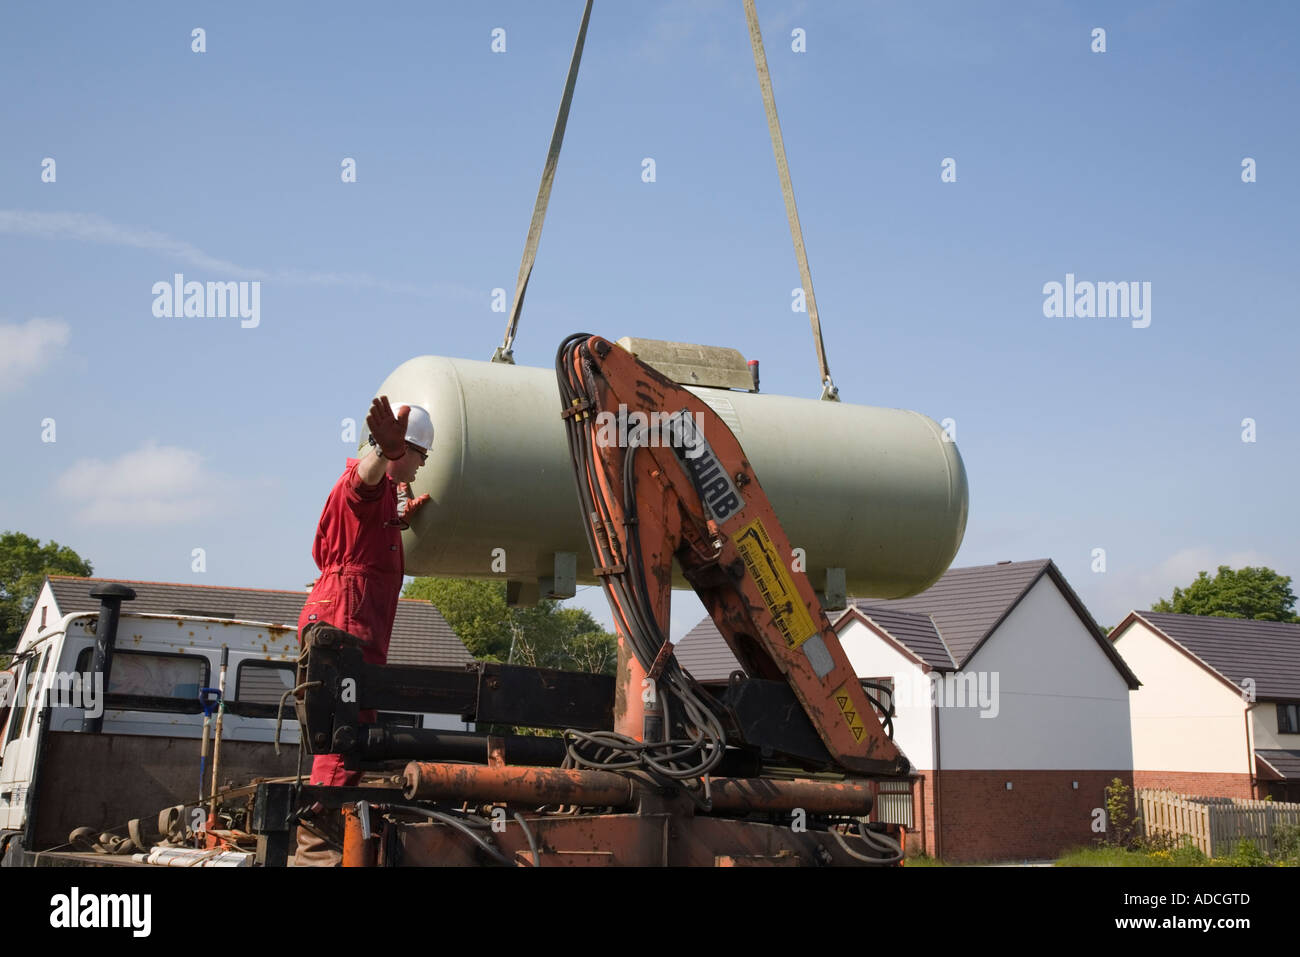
[486, 692]
[609, 819]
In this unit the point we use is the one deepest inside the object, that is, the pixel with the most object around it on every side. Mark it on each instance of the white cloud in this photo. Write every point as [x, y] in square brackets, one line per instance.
[152, 485]
[87, 227]
[95, 229]
[1126, 590]
[27, 348]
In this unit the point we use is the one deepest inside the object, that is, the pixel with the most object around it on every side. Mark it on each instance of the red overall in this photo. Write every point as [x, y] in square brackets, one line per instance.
[358, 550]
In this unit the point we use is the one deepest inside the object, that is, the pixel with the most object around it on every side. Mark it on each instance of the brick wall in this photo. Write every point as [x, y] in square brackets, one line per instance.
[1196, 783]
[980, 820]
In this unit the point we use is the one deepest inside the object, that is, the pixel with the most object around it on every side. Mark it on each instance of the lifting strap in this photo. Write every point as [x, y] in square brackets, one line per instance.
[505, 352]
[829, 392]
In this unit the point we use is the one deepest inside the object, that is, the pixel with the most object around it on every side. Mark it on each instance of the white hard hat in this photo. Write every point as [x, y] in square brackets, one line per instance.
[419, 427]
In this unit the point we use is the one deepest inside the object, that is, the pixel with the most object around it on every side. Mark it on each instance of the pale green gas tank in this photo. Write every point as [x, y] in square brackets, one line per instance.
[880, 493]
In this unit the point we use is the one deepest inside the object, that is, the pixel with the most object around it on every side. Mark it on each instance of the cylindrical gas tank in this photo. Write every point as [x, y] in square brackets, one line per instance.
[878, 492]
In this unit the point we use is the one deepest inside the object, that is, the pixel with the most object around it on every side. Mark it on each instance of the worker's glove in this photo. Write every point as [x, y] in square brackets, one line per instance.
[407, 505]
[388, 429]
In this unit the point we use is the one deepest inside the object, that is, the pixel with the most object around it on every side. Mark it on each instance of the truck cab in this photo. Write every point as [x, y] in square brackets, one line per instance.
[159, 664]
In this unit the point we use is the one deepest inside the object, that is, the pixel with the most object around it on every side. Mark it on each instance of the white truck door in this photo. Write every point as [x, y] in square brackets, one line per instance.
[20, 742]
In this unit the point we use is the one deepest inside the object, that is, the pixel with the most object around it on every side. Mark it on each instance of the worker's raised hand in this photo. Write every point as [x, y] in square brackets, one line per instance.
[388, 429]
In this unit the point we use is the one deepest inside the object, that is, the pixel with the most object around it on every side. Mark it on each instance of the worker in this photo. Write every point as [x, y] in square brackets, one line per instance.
[358, 550]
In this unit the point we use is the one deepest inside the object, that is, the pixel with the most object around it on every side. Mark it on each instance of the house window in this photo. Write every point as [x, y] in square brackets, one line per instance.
[880, 691]
[44, 609]
[1288, 719]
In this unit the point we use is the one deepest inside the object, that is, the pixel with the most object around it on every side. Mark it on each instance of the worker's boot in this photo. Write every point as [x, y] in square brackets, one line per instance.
[314, 852]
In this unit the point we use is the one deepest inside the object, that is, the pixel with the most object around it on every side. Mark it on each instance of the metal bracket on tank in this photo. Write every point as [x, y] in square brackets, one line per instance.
[834, 597]
[522, 594]
[563, 581]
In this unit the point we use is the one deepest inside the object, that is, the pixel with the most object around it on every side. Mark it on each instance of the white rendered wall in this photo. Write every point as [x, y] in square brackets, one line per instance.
[1184, 718]
[873, 657]
[1057, 700]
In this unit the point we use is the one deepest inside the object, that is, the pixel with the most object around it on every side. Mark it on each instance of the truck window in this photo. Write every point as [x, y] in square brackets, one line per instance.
[264, 682]
[34, 705]
[8, 688]
[155, 681]
[20, 702]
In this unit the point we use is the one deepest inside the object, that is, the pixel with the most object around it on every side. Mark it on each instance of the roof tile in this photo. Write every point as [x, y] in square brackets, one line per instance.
[1268, 652]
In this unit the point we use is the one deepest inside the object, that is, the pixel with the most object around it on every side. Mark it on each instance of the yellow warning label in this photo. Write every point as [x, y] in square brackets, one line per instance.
[774, 584]
[850, 712]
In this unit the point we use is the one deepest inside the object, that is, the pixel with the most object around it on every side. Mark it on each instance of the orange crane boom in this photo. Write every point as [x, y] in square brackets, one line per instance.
[661, 477]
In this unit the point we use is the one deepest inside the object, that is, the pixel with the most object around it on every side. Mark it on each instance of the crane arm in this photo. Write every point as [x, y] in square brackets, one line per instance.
[660, 477]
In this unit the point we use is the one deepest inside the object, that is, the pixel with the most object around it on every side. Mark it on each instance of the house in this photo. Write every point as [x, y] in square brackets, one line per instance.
[1217, 713]
[421, 636]
[1010, 703]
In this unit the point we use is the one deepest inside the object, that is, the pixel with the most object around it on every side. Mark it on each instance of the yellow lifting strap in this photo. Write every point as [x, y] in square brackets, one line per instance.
[505, 352]
[829, 392]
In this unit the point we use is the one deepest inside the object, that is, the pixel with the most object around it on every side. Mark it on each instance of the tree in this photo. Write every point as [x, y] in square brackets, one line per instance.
[1257, 593]
[548, 635]
[24, 563]
[476, 611]
[1121, 825]
[551, 636]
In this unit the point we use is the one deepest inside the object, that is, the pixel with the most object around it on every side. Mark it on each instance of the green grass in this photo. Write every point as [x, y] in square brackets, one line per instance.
[1246, 855]
[1186, 855]
[1119, 857]
[923, 860]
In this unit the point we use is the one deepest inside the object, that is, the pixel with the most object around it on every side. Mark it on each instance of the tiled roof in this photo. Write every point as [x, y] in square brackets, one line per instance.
[1285, 763]
[421, 636]
[1268, 652]
[704, 653]
[967, 602]
[943, 625]
[918, 633]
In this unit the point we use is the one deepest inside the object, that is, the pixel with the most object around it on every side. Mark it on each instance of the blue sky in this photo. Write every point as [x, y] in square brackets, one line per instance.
[1077, 433]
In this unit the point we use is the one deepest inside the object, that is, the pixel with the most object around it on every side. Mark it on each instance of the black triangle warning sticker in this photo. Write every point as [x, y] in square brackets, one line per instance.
[842, 701]
[857, 733]
[851, 716]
